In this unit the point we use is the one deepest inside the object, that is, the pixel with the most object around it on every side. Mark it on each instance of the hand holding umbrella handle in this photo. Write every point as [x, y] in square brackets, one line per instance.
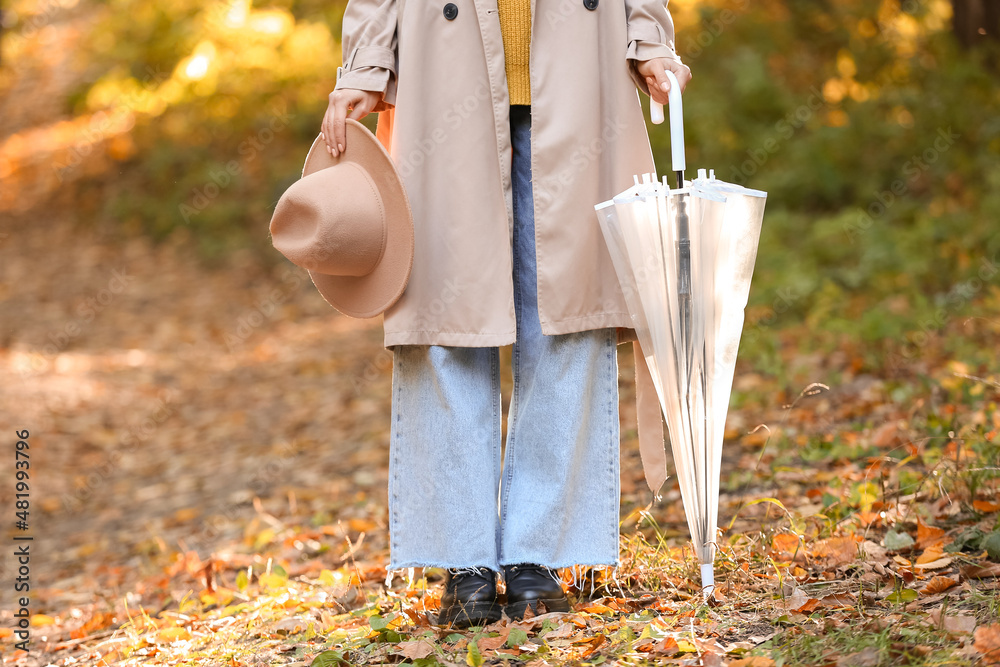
[676, 121]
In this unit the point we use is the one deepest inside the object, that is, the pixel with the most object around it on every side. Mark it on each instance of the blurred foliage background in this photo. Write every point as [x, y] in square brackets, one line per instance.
[872, 124]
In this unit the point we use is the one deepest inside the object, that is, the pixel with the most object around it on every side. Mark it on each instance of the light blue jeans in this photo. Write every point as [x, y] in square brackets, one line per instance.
[556, 501]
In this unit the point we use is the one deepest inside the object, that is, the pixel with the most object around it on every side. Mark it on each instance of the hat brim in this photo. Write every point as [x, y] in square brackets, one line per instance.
[371, 294]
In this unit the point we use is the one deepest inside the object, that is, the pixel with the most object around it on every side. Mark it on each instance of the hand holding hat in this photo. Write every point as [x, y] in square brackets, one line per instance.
[348, 222]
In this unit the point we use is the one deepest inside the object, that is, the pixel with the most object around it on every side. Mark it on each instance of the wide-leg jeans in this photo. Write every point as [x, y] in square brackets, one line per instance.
[555, 500]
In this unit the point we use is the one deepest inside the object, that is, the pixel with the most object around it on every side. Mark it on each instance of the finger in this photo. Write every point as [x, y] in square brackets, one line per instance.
[662, 83]
[339, 126]
[361, 109]
[681, 71]
[655, 93]
[327, 126]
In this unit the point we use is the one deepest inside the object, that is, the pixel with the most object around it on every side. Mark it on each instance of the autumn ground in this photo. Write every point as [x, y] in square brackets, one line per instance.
[208, 472]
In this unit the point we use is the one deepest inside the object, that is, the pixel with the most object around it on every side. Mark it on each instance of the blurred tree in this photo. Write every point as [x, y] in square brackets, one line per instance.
[975, 21]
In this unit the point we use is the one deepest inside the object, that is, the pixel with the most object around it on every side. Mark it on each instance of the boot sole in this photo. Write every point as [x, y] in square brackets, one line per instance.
[469, 613]
[516, 610]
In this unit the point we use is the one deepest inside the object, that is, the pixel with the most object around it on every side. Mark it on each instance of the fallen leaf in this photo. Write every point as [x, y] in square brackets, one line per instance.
[173, 634]
[956, 625]
[992, 545]
[598, 609]
[987, 642]
[928, 535]
[753, 661]
[710, 659]
[667, 646]
[798, 599]
[42, 619]
[985, 506]
[981, 571]
[933, 565]
[836, 550]
[869, 657]
[292, 625]
[930, 554]
[895, 541]
[873, 550]
[785, 545]
[837, 600]
[493, 643]
[594, 643]
[565, 630]
[415, 650]
[938, 584]
[886, 434]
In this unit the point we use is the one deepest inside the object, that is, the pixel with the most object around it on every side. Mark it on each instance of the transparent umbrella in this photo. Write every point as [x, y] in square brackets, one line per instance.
[684, 259]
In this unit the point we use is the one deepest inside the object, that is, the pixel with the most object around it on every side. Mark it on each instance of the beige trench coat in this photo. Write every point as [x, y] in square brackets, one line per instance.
[449, 135]
[441, 73]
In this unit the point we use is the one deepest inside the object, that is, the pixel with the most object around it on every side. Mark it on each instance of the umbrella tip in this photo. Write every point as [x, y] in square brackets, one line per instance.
[702, 173]
[635, 177]
[707, 580]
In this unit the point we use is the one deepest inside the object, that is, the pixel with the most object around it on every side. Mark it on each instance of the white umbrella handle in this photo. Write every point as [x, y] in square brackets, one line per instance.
[676, 121]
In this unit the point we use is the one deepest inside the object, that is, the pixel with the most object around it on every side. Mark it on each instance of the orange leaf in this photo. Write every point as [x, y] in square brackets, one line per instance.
[928, 535]
[785, 544]
[985, 506]
[868, 518]
[595, 643]
[754, 661]
[988, 643]
[5, 632]
[931, 554]
[173, 634]
[599, 609]
[836, 550]
[492, 643]
[667, 647]
[808, 607]
[938, 585]
[838, 600]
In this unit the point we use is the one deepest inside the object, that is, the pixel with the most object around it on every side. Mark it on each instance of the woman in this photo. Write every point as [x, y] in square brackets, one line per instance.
[507, 121]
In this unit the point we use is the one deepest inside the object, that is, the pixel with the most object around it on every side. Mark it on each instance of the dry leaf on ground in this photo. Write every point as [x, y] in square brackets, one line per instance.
[938, 584]
[987, 642]
[869, 657]
[418, 649]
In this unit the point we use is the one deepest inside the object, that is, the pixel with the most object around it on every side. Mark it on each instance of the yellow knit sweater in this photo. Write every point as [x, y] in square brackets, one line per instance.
[515, 25]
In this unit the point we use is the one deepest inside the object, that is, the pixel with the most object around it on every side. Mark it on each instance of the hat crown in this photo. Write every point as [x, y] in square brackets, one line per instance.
[332, 222]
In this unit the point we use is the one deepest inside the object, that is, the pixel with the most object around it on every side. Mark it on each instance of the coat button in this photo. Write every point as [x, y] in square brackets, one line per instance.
[451, 10]
[590, 4]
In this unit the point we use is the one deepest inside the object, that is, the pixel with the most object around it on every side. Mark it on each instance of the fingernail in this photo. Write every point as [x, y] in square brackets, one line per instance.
[665, 86]
[340, 147]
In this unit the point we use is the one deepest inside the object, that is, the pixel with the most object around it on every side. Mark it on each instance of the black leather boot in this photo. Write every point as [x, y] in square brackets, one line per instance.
[535, 587]
[470, 598]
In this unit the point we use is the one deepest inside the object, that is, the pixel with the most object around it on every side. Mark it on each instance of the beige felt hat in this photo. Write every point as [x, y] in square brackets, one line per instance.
[348, 222]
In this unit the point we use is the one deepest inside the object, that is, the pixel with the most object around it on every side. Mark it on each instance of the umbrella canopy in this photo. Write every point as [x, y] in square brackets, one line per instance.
[684, 258]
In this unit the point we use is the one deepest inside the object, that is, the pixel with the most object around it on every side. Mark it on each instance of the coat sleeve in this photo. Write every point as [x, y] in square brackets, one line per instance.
[369, 42]
[650, 35]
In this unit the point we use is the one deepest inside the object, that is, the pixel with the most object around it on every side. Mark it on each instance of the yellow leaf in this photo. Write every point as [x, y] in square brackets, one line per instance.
[272, 580]
[42, 619]
[173, 634]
